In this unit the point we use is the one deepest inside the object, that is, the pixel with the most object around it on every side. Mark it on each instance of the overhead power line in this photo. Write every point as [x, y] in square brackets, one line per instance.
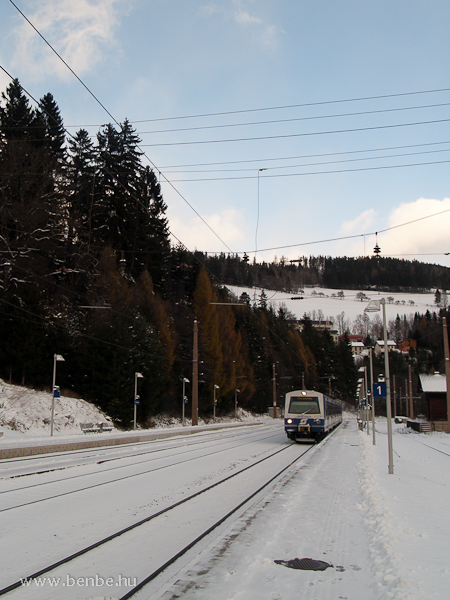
[331, 162]
[294, 119]
[294, 135]
[289, 106]
[346, 237]
[262, 160]
[304, 174]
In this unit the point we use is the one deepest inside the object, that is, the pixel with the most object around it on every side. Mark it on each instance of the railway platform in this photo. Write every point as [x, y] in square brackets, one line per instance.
[341, 507]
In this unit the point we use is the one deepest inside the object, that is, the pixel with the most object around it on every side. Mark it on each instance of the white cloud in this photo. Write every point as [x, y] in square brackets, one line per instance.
[415, 234]
[78, 30]
[194, 234]
[360, 223]
[424, 236]
[238, 11]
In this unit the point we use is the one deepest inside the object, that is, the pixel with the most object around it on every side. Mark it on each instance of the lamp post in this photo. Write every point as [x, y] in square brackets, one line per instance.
[56, 358]
[185, 380]
[374, 306]
[216, 387]
[371, 395]
[136, 397]
[236, 392]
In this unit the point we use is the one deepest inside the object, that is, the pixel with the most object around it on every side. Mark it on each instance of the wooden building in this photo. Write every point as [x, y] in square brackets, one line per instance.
[435, 389]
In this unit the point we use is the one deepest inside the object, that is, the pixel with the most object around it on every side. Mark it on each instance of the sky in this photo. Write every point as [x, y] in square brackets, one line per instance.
[301, 128]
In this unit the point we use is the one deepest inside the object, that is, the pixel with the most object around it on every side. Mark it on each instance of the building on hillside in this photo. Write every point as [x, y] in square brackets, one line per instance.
[435, 389]
[321, 325]
[356, 342]
[379, 346]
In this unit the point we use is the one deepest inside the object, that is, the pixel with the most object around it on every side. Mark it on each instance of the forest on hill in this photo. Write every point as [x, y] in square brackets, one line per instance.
[88, 272]
[351, 273]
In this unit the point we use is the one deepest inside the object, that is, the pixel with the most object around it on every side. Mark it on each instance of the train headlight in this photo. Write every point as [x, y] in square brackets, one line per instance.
[317, 421]
[289, 421]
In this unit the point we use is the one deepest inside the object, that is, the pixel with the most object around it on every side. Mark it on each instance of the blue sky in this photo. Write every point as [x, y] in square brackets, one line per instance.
[153, 60]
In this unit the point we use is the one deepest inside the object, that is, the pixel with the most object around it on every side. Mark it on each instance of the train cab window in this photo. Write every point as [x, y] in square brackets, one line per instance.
[300, 405]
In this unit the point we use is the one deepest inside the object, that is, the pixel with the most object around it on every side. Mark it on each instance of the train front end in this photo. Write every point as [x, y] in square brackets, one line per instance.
[304, 418]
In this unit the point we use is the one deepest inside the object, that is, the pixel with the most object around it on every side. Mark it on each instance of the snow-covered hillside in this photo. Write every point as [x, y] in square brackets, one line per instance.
[326, 300]
[24, 410]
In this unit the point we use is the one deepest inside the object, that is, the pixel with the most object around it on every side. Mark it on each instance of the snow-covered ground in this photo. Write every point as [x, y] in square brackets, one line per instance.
[27, 411]
[385, 536]
[25, 418]
[326, 300]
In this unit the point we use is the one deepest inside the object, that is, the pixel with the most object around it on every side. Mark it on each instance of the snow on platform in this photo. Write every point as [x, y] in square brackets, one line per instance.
[386, 536]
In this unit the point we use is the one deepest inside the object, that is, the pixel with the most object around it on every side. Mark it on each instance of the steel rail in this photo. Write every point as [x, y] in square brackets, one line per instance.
[154, 451]
[115, 535]
[178, 555]
[98, 484]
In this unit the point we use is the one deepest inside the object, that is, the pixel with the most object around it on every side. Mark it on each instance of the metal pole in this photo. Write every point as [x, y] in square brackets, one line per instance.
[195, 376]
[216, 387]
[398, 411]
[235, 402]
[367, 399]
[185, 380]
[447, 369]
[411, 403]
[53, 394]
[406, 399]
[56, 358]
[371, 393]
[182, 401]
[135, 397]
[388, 392]
[274, 391]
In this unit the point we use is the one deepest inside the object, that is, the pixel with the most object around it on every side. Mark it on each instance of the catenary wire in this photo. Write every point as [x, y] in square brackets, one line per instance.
[331, 162]
[295, 119]
[296, 135]
[333, 171]
[303, 105]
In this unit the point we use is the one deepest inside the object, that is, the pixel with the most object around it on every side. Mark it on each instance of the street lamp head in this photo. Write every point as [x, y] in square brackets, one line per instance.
[216, 387]
[139, 376]
[59, 358]
[186, 380]
[373, 306]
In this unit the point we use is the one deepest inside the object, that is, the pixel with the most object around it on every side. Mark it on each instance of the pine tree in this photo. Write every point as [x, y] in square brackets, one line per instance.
[54, 128]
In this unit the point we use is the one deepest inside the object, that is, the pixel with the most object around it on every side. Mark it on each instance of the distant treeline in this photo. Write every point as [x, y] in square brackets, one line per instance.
[389, 274]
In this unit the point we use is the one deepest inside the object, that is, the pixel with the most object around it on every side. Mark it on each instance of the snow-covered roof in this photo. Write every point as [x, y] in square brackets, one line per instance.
[358, 344]
[389, 343]
[433, 383]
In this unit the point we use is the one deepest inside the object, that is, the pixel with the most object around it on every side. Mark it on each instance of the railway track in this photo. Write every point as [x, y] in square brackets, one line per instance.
[90, 455]
[139, 539]
[96, 483]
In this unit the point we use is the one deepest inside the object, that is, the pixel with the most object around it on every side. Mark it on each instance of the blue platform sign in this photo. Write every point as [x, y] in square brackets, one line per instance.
[379, 389]
[56, 392]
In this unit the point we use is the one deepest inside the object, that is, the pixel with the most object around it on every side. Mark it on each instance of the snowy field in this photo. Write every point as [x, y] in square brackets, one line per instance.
[325, 300]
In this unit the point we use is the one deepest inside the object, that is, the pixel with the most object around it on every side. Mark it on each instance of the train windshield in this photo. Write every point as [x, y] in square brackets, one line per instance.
[302, 404]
